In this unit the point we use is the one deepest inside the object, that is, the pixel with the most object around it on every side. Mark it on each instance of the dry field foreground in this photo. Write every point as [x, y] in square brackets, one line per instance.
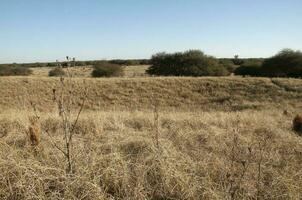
[218, 138]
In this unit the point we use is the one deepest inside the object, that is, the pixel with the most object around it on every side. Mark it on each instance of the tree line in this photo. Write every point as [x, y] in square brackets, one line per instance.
[286, 63]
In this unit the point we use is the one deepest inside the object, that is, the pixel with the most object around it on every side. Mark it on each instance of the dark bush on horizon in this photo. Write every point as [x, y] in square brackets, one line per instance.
[105, 69]
[56, 72]
[237, 60]
[51, 64]
[287, 63]
[14, 71]
[249, 69]
[228, 64]
[130, 62]
[189, 63]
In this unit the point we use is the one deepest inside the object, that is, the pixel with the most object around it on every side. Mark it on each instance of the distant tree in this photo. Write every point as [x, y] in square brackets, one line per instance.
[237, 60]
[64, 64]
[249, 69]
[287, 63]
[189, 63]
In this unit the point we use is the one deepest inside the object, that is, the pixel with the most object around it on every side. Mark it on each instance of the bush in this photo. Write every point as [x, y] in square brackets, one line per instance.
[79, 63]
[130, 62]
[287, 63]
[228, 64]
[249, 69]
[105, 69]
[51, 64]
[189, 63]
[56, 72]
[14, 71]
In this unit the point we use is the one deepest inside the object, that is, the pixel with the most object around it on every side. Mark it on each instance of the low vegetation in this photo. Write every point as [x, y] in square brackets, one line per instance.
[287, 63]
[56, 72]
[205, 93]
[14, 71]
[105, 69]
[252, 68]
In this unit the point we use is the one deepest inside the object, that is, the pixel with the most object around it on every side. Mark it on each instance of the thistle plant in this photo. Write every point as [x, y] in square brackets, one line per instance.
[63, 98]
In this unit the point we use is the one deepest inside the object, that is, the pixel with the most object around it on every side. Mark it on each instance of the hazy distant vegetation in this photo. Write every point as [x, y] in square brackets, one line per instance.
[14, 71]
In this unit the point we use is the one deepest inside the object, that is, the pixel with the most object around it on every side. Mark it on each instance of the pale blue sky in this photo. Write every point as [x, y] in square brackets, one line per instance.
[46, 30]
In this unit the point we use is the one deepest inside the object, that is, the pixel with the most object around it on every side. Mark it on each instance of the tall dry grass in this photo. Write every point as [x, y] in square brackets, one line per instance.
[186, 94]
[203, 155]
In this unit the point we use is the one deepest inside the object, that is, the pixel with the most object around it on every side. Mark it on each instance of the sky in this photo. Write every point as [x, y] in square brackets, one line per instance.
[47, 30]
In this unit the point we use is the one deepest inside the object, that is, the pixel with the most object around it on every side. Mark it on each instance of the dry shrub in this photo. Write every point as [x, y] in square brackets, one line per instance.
[86, 126]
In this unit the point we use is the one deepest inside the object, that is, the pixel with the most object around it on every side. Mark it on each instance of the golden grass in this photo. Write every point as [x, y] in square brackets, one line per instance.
[224, 93]
[216, 138]
[84, 72]
[203, 155]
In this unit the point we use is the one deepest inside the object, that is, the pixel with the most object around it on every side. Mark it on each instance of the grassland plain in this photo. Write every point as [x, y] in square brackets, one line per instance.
[85, 71]
[218, 138]
[226, 94]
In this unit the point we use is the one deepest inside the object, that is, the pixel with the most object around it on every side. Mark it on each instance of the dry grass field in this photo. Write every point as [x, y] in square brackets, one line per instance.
[209, 138]
[130, 71]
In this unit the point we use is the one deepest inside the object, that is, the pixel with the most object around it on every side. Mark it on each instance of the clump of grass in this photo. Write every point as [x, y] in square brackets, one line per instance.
[34, 131]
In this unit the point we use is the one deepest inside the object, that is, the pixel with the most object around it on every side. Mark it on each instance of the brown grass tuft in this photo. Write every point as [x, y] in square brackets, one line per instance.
[34, 131]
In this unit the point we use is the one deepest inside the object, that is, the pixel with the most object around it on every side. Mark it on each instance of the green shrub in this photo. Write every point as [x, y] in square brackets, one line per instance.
[228, 64]
[105, 69]
[189, 63]
[14, 71]
[56, 72]
[130, 62]
[249, 69]
[51, 64]
[287, 63]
